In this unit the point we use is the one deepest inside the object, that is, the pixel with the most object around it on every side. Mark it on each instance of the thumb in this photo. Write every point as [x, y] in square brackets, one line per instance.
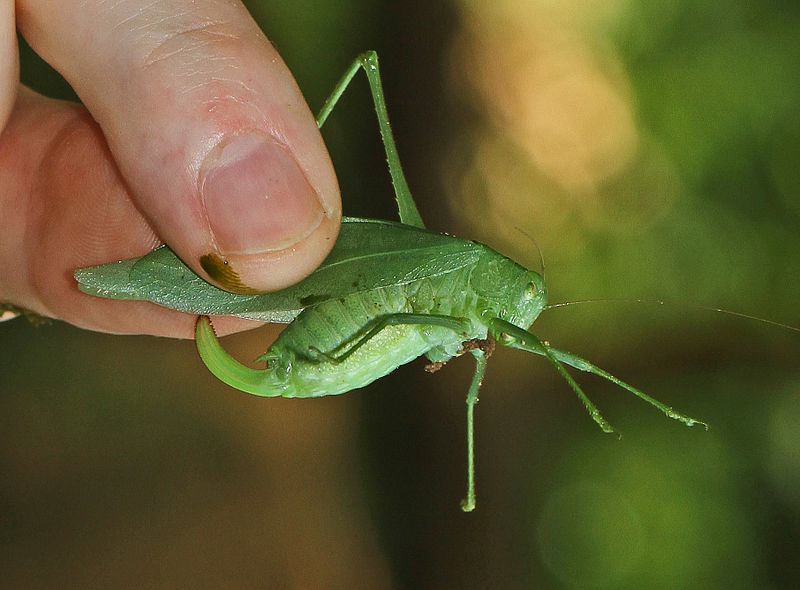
[208, 128]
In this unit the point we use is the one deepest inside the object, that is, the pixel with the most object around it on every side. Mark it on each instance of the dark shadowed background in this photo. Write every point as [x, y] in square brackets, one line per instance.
[651, 149]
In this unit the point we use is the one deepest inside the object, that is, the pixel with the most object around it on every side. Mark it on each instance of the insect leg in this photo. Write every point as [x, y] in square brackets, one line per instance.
[514, 337]
[524, 340]
[584, 365]
[369, 61]
[468, 504]
[373, 327]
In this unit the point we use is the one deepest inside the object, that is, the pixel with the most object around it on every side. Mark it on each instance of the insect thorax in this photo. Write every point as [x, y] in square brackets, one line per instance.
[508, 290]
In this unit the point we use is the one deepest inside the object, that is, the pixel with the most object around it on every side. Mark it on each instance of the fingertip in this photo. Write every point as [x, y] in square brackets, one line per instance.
[271, 271]
[270, 225]
[208, 128]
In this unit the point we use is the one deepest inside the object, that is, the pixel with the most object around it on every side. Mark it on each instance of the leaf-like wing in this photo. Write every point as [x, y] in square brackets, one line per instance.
[368, 254]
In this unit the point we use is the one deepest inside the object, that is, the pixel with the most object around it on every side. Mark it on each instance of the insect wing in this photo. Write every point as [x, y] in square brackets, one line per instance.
[368, 254]
[162, 278]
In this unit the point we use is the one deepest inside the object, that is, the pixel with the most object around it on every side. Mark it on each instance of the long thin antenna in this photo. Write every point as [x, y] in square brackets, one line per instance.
[679, 303]
[538, 249]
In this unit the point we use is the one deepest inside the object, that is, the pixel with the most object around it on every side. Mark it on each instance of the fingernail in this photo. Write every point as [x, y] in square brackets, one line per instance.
[223, 274]
[257, 197]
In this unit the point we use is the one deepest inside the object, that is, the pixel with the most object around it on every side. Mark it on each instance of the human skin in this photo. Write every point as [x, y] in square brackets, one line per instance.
[192, 133]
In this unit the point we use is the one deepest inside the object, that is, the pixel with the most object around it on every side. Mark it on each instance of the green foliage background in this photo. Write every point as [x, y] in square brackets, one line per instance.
[123, 464]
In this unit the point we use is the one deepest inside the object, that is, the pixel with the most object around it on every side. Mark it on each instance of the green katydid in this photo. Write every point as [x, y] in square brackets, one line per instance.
[387, 294]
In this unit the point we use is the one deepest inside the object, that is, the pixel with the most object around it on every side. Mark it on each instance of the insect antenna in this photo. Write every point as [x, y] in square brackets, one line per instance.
[678, 302]
[538, 250]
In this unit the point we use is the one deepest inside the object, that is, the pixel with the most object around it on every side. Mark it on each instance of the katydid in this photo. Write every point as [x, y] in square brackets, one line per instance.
[387, 294]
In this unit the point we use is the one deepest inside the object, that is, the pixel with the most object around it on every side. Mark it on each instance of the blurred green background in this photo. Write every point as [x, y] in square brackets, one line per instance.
[651, 149]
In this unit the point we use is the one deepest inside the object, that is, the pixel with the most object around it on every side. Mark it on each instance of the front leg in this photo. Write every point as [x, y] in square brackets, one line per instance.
[516, 337]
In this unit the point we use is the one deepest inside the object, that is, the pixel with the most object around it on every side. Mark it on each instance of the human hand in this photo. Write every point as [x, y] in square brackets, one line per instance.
[193, 133]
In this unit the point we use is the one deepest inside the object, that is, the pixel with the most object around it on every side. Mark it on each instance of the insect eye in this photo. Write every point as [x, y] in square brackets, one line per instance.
[530, 291]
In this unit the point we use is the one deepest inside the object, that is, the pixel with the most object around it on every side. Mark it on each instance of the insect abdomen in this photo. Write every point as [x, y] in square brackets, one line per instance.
[324, 328]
